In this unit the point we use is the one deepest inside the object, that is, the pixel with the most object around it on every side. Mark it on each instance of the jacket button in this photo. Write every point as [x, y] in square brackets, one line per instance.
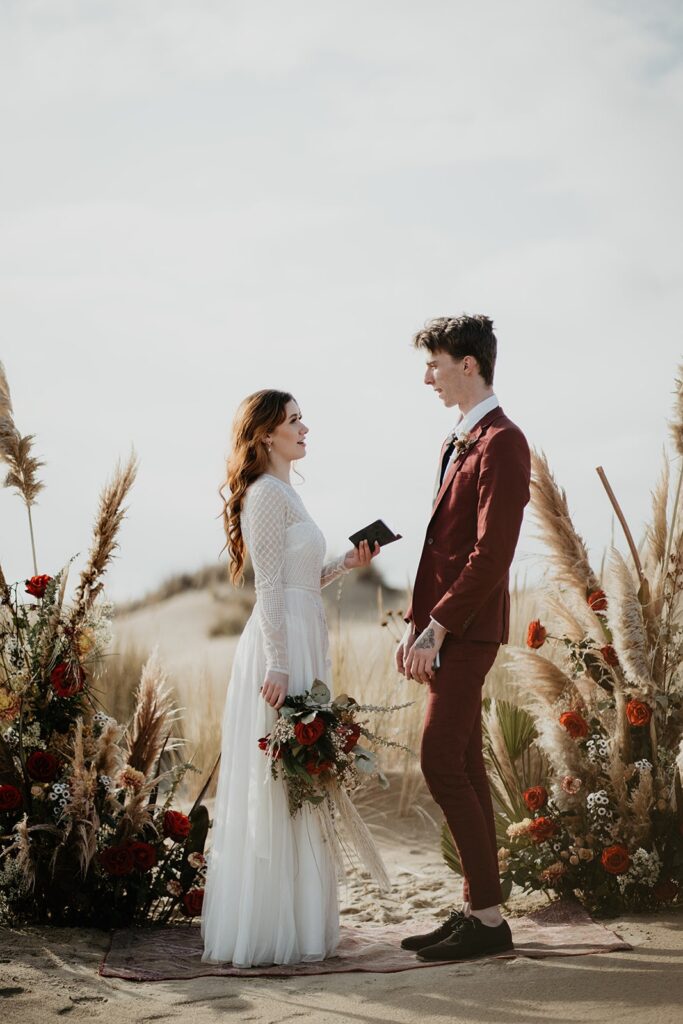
[430, 540]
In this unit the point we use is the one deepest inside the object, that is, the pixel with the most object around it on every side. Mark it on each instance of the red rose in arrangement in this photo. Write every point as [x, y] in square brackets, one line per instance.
[67, 680]
[665, 891]
[575, 724]
[144, 855]
[638, 713]
[352, 734]
[313, 768]
[597, 600]
[535, 797]
[117, 860]
[536, 635]
[263, 742]
[42, 766]
[609, 654]
[309, 732]
[193, 901]
[542, 829]
[10, 798]
[37, 585]
[615, 859]
[176, 826]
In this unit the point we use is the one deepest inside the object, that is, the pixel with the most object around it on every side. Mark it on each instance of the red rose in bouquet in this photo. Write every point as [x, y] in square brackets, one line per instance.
[638, 713]
[117, 860]
[276, 752]
[313, 768]
[609, 654]
[67, 680]
[535, 797]
[575, 724]
[536, 635]
[308, 733]
[193, 901]
[37, 585]
[176, 826]
[615, 859]
[597, 600]
[144, 854]
[42, 766]
[351, 734]
[542, 829]
[10, 798]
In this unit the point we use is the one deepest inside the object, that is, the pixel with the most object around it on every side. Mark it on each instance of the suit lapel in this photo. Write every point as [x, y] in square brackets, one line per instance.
[457, 461]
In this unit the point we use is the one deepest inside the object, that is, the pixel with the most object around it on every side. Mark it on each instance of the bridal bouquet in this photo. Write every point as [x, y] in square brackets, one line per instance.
[315, 748]
[88, 831]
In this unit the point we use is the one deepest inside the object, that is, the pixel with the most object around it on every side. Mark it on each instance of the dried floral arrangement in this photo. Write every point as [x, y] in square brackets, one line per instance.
[88, 831]
[586, 765]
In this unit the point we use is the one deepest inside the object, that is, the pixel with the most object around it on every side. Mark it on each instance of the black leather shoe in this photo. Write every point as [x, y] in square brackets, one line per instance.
[415, 942]
[471, 938]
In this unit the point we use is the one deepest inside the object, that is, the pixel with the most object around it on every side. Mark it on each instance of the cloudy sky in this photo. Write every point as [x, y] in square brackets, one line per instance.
[201, 198]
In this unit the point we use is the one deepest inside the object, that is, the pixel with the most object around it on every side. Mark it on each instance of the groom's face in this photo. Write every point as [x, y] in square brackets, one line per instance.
[447, 376]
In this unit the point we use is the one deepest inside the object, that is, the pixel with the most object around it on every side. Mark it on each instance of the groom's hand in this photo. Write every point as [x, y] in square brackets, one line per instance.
[403, 648]
[420, 661]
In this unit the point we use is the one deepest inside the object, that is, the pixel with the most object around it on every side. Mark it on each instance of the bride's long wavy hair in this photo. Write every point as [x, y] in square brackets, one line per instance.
[258, 415]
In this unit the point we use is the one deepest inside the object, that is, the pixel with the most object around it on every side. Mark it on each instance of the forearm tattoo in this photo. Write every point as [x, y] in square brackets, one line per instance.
[427, 641]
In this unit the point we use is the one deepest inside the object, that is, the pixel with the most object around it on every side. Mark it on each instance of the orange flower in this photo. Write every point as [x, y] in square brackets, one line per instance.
[542, 829]
[615, 859]
[536, 635]
[575, 724]
[609, 654]
[535, 797]
[638, 713]
[597, 600]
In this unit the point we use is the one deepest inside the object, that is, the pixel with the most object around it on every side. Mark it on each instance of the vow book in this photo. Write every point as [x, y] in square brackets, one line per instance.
[376, 533]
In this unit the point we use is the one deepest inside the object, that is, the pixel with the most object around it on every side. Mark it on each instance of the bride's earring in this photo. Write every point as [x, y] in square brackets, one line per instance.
[269, 446]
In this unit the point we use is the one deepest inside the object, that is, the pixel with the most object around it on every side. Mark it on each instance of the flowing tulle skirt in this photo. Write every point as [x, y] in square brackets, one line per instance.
[271, 888]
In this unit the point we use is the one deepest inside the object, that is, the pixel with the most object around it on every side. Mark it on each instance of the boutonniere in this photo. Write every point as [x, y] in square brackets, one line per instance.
[463, 444]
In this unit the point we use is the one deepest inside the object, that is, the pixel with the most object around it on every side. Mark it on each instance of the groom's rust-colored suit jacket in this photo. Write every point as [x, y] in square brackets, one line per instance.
[463, 576]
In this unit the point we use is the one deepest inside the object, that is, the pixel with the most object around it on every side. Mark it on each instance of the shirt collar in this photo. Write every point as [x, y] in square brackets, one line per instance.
[470, 420]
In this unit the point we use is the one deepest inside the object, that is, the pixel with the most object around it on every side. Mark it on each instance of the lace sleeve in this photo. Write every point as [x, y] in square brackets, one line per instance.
[266, 520]
[331, 571]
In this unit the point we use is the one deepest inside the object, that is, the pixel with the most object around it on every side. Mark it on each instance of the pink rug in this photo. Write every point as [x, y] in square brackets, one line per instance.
[164, 954]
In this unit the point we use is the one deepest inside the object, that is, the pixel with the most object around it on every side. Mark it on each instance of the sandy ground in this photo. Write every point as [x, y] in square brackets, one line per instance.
[48, 973]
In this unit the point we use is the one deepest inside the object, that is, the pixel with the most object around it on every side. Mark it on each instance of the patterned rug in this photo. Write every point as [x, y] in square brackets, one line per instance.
[163, 954]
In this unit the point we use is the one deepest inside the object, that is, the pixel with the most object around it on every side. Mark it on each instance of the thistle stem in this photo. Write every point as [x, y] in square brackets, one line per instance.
[674, 516]
[33, 540]
[622, 519]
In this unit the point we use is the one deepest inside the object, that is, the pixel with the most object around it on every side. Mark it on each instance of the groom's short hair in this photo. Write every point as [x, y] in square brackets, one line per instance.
[462, 336]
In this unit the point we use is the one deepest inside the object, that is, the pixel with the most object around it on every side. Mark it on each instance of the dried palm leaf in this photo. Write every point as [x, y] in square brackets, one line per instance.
[568, 552]
[498, 749]
[627, 625]
[538, 680]
[110, 515]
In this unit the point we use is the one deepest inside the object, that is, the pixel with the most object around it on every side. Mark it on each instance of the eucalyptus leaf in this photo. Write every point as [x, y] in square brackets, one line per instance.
[320, 692]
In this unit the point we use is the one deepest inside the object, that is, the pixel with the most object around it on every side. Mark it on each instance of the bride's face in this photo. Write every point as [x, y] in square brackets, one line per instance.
[288, 439]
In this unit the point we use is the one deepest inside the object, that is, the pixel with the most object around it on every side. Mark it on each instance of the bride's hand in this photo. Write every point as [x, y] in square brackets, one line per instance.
[358, 557]
[274, 689]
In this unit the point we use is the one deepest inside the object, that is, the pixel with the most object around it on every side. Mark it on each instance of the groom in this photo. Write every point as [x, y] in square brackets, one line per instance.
[460, 613]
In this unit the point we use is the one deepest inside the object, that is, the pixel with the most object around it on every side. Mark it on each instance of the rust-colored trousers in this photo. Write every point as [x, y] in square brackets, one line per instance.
[453, 764]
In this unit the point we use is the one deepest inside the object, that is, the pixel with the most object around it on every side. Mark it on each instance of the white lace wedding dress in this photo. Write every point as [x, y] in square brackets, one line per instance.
[271, 887]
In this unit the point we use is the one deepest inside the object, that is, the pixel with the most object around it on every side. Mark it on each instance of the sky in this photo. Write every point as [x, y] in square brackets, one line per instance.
[199, 199]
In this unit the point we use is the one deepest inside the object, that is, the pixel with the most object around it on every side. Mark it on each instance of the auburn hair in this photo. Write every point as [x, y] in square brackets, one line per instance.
[258, 415]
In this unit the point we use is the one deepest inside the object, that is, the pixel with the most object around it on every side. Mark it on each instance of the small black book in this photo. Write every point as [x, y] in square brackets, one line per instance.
[376, 533]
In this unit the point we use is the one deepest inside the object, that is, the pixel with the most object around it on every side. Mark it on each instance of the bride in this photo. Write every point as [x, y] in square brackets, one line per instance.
[271, 891]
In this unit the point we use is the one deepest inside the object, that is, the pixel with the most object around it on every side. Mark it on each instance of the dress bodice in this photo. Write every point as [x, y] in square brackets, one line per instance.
[287, 550]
